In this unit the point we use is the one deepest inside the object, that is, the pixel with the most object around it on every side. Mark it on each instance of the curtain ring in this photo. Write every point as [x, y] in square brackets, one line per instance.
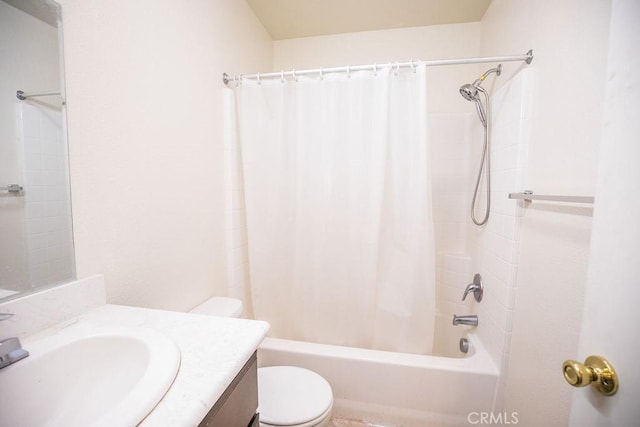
[397, 69]
[294, 75]
[375, 70]
[321, 74]
[258, 78]
[414, 67]
[281, 76]
[348, 71]
[240, 77]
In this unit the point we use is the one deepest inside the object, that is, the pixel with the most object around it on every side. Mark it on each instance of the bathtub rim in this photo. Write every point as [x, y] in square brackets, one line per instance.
[479, 363]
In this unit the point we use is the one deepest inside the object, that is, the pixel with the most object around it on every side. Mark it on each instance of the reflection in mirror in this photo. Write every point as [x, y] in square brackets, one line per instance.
[36, 246]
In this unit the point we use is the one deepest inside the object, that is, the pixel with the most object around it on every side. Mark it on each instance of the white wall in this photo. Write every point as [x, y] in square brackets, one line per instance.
[144, 97]
[368, 47]
[570, 43]
[29, 52]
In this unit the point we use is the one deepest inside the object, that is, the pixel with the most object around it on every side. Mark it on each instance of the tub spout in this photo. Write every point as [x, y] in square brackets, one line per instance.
[10, 348]
[471, 320]
[11, 351]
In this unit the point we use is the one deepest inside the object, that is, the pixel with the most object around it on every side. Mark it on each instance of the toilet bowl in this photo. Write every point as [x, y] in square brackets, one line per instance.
[294, 397]
[287, 395]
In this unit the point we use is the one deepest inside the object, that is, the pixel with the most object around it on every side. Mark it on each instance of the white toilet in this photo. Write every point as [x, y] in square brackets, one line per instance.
[292, 396]
[220, 306]
[287, 395]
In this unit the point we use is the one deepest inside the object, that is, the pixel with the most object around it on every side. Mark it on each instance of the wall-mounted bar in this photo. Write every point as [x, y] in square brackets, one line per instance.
[527, 57]
[12, 189]
[24, 95]
[528, 196]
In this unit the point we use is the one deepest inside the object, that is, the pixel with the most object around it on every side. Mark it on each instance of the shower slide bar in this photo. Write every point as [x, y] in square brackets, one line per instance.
[24, 95]
[528, 196]
[226, 79]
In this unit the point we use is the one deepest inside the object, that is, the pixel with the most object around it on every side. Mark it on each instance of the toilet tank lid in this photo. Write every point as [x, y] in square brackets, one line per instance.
[220, 306]
[289, 395]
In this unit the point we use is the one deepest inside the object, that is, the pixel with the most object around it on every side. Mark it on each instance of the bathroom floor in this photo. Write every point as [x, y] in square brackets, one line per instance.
[347, 422]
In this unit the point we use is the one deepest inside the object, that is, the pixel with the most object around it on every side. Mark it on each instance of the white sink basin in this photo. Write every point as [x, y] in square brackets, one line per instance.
[83, 376]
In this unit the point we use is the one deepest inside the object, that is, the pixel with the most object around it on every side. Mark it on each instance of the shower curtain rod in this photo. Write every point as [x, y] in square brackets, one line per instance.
[527, 57]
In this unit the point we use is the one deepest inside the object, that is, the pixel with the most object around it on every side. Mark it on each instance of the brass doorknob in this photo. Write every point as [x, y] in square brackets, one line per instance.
[596, 370]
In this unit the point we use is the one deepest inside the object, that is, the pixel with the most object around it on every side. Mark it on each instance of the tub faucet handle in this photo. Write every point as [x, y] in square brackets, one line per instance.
[476, 287]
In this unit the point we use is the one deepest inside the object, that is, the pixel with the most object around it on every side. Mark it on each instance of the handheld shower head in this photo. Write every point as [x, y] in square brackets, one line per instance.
[470, 91]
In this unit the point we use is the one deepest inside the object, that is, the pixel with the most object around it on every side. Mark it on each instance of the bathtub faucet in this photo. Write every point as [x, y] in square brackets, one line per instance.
[476, 288]
[471, 320]
[10, 349]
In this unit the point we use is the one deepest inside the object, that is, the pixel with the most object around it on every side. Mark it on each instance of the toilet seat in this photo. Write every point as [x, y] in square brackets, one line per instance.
[292, 396]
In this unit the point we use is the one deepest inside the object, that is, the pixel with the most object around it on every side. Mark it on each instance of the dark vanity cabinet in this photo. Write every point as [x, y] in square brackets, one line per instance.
[238, 404]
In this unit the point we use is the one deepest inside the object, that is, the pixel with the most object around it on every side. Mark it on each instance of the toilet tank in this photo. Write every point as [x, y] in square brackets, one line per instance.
[220, 306]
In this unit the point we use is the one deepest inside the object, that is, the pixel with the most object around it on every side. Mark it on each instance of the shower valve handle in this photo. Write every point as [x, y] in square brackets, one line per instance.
[476, 287]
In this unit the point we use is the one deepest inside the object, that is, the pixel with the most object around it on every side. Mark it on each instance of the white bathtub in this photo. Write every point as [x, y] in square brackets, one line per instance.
[398, 389]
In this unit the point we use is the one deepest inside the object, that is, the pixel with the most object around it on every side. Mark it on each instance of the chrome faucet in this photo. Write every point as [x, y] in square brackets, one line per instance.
[471, 320]
[10, 348]
[476, 287]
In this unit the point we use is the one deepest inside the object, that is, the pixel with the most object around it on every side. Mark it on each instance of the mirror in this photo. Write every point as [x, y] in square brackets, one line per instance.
[36, 245]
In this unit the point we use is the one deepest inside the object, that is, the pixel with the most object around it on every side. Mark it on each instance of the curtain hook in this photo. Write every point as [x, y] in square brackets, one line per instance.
[397, 69]
[321, 74]
[414, 67]
[294, 75]
[375, 70]
[240, 79]
[258, 78]
[281, 76]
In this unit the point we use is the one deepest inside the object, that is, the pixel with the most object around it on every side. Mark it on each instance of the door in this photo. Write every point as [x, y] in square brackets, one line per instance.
[610, 319]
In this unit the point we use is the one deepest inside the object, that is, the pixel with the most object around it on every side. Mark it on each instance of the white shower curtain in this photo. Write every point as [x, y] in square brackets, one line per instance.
[338, 208]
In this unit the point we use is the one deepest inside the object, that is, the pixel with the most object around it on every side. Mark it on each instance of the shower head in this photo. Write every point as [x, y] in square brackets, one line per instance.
[470, 91]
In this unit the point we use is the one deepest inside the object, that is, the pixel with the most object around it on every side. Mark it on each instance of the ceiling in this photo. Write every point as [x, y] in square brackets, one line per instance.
[285, 19]
[39, 9]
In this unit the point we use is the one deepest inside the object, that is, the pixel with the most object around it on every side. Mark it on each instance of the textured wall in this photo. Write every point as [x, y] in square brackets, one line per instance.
[144, 99]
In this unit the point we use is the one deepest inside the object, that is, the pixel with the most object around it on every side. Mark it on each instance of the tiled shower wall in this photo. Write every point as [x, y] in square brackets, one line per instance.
[46, 192]
[494, 249]
[450, 167]
[491, 250]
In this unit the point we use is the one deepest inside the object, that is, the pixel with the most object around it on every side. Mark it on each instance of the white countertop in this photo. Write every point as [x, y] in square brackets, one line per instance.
[213, 350]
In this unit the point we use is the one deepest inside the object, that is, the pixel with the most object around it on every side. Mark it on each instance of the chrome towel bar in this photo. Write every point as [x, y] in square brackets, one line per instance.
[24, 95]
[528, 196]
[12, 189]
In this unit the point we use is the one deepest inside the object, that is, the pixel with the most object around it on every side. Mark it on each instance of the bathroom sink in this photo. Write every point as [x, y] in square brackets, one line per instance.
[83, 376]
